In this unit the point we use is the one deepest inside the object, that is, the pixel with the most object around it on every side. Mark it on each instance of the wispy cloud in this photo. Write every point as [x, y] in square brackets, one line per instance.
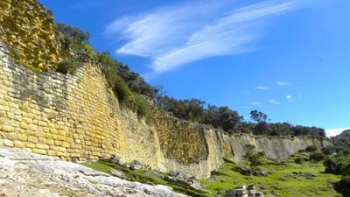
[179, 34]
[289, 98]
[259, 87]
[282, 83]
[275, 102]
[256, 103]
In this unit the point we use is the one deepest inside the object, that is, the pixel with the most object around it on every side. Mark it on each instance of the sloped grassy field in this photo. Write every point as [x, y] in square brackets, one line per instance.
[285, 178]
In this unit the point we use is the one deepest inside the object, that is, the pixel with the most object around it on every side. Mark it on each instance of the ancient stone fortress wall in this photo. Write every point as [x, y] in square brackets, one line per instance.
[77, 117]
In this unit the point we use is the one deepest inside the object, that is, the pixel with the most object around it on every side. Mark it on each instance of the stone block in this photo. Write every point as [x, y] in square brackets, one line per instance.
[62, 132]
[49, 141]
[30, 145]
[22, 137]
[66, 144]
[8, 128]
[42, 146]
[19, 144]
[12, 136]
[32, 127]
[8, 143]
[51, 153]
[39, 151]
[33, 139]
[23, 125]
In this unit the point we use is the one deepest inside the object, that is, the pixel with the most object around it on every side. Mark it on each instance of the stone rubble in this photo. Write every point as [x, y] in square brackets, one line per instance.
[25, 174]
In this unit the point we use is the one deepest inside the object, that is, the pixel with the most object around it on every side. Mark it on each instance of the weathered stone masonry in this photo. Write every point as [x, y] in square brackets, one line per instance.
[77, 117]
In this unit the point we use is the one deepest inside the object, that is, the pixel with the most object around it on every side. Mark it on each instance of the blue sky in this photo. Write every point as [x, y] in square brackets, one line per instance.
[287, 58]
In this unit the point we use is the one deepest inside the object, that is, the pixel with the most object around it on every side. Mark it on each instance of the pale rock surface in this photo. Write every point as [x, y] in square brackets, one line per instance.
[25, 174]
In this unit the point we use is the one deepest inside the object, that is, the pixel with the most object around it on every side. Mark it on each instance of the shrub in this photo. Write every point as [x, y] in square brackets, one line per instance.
[311, 148]
[120, 88]
[67, 65]
[298, 160]
[316, 157]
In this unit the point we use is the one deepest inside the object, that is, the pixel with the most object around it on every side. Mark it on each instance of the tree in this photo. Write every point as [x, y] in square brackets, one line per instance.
[74, 32]
[255, 159]
[258, 116]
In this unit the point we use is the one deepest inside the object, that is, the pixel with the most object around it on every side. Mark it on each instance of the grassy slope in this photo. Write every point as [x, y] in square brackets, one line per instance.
[285, 179]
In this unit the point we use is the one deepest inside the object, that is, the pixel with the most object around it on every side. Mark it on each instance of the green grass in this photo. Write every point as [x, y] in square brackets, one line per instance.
[285, 179]
[141, 176]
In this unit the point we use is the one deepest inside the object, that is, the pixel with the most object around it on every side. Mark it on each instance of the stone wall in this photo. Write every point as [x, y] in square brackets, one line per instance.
[29, 29]
[77, 117]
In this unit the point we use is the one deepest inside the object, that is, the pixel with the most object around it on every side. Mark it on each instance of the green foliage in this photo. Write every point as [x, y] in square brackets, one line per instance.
[337, 165]
[317, 157]
[68, 65]
[73, 32]
[328, 150]
[258, 116]
[255, 159]
[342, 141]
[311, 148]
[285, 179]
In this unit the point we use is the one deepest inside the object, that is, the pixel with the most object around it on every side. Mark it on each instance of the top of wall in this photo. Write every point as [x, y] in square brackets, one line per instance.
[28, 29]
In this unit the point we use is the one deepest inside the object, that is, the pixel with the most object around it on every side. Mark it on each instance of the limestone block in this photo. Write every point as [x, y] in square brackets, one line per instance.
[19, 144]
[62, 132]
[8, 143]
[49, 141]
[22, 137]
[30, 145]
[53, 130]
[46, 129]
[58, 143]
[33, 139]
[8, 128]
[42, 146]
[23, 125]
[51, 153]
[39, 151]
[62, 138]
[32, 127]
[66, 144]
[27, 120]
[61, 149]
[12, 136]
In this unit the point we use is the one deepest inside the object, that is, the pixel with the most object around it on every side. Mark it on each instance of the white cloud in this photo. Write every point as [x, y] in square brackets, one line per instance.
[259, 87]
[256, 103]
[176, 35]
[334, 132]
[273, 101]
[289, 98]
[282, 83]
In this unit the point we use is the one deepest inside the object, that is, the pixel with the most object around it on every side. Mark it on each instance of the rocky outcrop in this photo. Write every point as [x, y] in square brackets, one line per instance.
[28, 174]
